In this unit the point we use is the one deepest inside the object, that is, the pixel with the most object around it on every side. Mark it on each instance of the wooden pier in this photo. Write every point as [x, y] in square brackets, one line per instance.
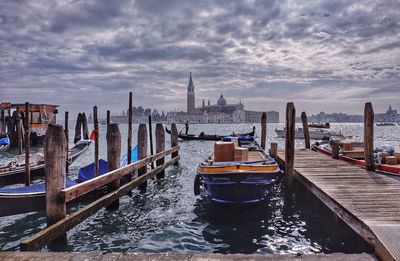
[366, 201]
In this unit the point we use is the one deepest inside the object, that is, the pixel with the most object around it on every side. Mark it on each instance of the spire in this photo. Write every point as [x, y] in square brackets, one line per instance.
[190, 80]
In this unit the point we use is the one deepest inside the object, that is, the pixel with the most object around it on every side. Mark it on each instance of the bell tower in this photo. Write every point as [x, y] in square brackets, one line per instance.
[190, 96]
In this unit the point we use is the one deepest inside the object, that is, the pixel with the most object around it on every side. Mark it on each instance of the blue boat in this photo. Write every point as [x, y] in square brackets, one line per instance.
[25, 199]
[241, 182]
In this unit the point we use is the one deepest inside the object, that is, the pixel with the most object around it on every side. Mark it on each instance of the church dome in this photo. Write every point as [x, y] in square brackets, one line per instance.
[221, 101]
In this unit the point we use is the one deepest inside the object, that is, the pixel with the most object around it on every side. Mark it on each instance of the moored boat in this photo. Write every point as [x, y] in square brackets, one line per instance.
[314, 133]
[14, 171]
[25, 199]
[212, 137]
[386, 124]
[383, 156]
[325, 125]
[244, 179]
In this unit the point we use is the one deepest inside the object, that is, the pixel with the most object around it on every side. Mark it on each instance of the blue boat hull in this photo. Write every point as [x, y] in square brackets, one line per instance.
[238, 189]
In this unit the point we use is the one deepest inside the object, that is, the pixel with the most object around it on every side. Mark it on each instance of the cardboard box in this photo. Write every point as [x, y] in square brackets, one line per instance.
[397, 155]
[224, 151]
[241, 154]
[384, 156]
[347, 146]
[391, 160]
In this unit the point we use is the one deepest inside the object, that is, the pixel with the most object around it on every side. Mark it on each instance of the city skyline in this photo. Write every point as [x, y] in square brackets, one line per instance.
[323, 56]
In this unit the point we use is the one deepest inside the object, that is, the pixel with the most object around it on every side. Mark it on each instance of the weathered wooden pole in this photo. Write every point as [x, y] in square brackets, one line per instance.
[160, 146]
[96, 142]
[55, 175]
[113, 137]
[151, 141]
[78, 128]
[142, 152]
[66, 128]
[130, 129]
[174, 140]
[85, 126]
[290, 142]
[274, 150]
[369, 136]
[263, 130]
[108, 118]
[27, 147]
[305, 130]
[18, 132]
[335, 150]
[3, 122]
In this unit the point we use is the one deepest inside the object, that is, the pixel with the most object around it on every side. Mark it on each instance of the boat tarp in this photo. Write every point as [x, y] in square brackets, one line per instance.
[34, 188]
[134, 157]
[87, 172]
[4, 141]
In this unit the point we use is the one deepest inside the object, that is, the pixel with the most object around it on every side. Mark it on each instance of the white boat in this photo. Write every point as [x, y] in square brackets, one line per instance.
[315, 134]
[386, 124]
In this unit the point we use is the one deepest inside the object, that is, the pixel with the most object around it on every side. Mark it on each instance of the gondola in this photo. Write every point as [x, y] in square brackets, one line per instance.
[25, 199]
[244, 181]
[15, 173]
[204, 136]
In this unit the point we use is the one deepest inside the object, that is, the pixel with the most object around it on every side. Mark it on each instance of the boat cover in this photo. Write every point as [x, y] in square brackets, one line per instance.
[134, 157]
[241, 138]
[35, 188]
[4, 141]
[87, 172]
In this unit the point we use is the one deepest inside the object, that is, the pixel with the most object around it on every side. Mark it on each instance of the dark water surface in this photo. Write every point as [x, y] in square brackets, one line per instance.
[169, 218]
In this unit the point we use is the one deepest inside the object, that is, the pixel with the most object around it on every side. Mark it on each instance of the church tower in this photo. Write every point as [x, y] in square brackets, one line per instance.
[190, 96]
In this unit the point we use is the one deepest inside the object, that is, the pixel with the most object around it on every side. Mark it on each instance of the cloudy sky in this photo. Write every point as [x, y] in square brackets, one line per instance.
[323, 55]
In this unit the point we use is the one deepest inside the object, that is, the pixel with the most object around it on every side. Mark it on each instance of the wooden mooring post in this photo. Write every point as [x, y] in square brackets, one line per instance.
[369, 136]
[85, 126]
[78, 128]
[151, 140]
[305, 130]
[290, 142]
[27, 147]
[174, 140]
[55, 174]
[20, 133]
[113, 137]
[160, 146]
[66, 132]
[263, 130]
[96, 141]
[274, 150]
[142, 153]
[335, 149]
[130, 129]
[108, 118]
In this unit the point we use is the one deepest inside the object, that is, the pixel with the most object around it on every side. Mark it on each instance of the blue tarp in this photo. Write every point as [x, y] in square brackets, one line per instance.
[134, 155]
[241, 138]
[87, 172]
[40, 187]
[4, 141]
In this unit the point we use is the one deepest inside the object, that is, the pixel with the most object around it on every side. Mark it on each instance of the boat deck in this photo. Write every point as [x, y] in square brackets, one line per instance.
[367, 201]
[255, 156]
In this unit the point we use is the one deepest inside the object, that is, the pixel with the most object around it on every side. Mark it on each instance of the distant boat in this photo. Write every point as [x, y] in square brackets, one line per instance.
[203, 136]
[326, 125]
[32, 198]
[315, 134]
[386, 124]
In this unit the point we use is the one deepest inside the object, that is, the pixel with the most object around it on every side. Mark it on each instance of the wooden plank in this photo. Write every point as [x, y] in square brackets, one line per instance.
[83, 188]
[42, 238]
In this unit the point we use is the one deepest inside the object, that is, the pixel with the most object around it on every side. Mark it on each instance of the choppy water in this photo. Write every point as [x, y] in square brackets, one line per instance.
[169, 218]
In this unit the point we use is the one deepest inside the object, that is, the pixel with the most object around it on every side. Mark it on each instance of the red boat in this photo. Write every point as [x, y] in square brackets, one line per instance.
[359, 161]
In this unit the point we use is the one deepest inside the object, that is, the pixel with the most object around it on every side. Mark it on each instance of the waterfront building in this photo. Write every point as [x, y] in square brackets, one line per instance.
[221, 112]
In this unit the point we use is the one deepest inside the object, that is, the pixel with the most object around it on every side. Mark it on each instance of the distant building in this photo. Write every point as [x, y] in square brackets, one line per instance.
[221, 112]
[389, 116]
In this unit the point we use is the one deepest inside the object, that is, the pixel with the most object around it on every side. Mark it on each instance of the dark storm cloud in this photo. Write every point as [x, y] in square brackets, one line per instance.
[81, 53]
